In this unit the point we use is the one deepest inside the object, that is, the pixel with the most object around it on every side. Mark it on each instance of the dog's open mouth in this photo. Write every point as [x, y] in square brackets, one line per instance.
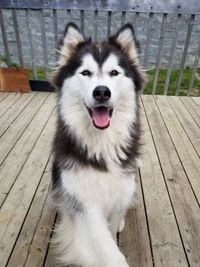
[101, 116]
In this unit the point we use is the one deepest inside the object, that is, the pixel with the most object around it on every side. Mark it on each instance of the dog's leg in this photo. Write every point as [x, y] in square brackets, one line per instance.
[117, 222]
[93, 233]
[92, 243]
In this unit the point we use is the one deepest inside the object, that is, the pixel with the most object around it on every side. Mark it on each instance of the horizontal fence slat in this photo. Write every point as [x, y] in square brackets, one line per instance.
[181, 6]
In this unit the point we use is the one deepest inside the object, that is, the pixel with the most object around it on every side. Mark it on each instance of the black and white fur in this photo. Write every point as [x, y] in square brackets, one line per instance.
[94, 166]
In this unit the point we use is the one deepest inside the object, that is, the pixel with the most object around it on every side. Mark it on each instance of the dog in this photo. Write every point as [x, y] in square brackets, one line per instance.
[96, 144]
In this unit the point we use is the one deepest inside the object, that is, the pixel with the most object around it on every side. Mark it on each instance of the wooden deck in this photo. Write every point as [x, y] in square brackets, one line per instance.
[163, 229]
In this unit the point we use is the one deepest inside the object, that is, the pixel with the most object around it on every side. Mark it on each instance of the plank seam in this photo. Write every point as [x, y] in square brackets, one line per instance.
[27, 215]
[27, 157]
[189, 111]
[50, 238]
[183, 127]
[41, 210]
[164, 178]
[146, 216]
[179, 155]
[1, 100]
[195, 101]
[36, 187]
[19, 113]
[6, 109]
[24, 130]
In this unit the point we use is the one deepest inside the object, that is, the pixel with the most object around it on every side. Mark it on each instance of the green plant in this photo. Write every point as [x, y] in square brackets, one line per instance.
[41, 75]
[173, 82]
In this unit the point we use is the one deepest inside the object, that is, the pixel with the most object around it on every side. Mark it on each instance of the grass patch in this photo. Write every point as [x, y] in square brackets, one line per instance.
[173, 82]
[160, 84]
[149, 85]
[41, 74]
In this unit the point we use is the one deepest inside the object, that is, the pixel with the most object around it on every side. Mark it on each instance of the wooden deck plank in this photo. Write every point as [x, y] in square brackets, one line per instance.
[23, 147]
[27, 237]
[196, 100]
[184, 202]
[3, 96]
[166, 242]
[167, 211]
[134, 239]
[42, 237]
[14, 209]
[186, 152]
[8, 140]
[11, 114]
[187, 122]
[192, 108]
[8, 102]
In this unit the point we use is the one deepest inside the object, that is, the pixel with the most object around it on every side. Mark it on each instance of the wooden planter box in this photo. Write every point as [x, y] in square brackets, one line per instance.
[14, 80]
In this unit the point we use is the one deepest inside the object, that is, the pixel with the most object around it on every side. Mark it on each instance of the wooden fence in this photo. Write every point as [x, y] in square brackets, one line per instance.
[165, 8]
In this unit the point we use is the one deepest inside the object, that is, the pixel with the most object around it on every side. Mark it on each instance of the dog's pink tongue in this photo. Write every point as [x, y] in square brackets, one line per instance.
[101, 117]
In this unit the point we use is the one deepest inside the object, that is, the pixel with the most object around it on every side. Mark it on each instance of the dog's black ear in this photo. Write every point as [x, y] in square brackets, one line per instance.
[127, 41]
[72, 37]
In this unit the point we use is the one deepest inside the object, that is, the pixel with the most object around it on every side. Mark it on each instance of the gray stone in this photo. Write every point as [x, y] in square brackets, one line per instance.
[63, 18]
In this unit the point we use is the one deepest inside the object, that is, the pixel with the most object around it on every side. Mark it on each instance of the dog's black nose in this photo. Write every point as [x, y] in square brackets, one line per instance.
[101, 93]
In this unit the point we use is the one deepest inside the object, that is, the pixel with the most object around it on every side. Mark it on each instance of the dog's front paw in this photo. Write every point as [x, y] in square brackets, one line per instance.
[121, 225]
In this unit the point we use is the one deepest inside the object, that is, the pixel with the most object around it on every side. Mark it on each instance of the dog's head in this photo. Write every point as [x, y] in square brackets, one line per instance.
[98, 82]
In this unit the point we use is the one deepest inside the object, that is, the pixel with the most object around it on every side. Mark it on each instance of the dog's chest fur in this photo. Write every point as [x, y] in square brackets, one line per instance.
[100, 174]
[100, 190]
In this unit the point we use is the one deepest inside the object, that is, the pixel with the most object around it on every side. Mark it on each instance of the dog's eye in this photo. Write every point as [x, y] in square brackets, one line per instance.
[86, 73]
[114, 73]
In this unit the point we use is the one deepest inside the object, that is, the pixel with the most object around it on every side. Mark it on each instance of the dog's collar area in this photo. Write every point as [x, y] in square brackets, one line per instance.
[101, 116]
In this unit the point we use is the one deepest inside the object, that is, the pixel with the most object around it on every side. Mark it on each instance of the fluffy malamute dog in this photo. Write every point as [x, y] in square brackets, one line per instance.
[96, 144]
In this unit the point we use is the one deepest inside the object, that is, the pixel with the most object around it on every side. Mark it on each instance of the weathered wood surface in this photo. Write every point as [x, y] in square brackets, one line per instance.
[163, 229]
[165, 240]
[182, 197]
[3, 96]
[14, 111]
[191, 129]
[193, 108]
